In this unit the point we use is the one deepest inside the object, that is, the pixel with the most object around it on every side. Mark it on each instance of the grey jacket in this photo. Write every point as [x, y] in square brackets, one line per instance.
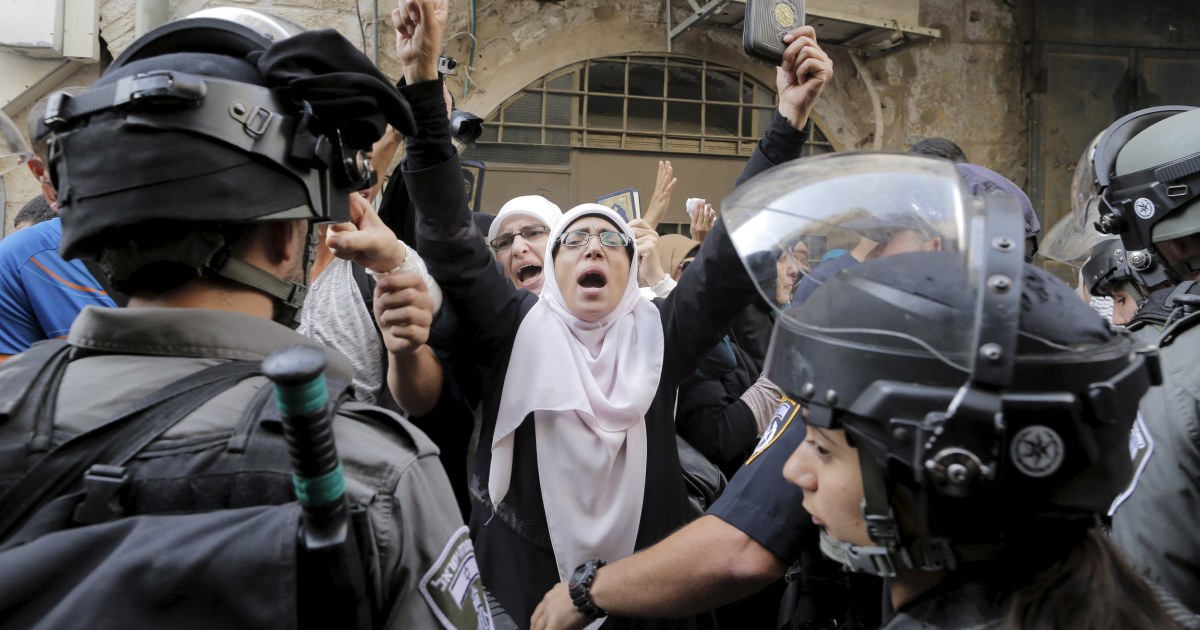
[417, 531]
[1154, 520]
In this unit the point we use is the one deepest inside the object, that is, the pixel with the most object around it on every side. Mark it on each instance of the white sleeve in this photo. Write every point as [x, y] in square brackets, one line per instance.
[414, 264]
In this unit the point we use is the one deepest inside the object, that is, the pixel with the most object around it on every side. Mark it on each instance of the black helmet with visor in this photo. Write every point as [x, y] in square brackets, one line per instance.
[978, 389]
[1147, 170]
[227, 117]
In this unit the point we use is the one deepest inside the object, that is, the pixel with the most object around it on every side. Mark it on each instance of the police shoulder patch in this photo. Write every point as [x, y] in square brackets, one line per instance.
[1141, 447]
[779, 421]
[452, 587]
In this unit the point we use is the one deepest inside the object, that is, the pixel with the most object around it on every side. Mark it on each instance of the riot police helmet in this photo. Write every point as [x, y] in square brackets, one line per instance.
[981, 392]
[227, 118]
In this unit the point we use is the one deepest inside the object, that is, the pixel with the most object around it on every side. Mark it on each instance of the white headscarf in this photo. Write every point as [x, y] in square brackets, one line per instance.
[588, 385]
[535, 206]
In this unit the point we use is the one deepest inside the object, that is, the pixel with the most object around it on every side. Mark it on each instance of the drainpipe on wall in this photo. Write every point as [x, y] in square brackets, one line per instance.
[151, 14]
[876, 107]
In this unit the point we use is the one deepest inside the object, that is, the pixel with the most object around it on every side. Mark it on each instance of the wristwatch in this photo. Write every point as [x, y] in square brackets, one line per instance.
[580, 586]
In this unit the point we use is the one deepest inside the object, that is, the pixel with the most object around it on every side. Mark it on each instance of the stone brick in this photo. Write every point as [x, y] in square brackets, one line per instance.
[965, 86]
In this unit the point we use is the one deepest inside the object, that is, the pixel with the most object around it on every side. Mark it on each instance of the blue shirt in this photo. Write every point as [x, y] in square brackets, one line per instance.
[40, 293]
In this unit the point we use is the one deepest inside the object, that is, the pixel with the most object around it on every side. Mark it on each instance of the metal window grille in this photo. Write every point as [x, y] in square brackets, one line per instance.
[664, 104]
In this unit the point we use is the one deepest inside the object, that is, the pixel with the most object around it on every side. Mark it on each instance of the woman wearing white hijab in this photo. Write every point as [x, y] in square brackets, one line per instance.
[577, 455]
[593, 325]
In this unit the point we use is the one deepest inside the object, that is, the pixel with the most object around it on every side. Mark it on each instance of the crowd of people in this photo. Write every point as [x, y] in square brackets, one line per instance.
[846, 399]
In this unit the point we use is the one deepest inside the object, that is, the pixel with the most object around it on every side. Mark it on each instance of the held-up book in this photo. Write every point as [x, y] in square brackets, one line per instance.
[765, 24]
[626, 203]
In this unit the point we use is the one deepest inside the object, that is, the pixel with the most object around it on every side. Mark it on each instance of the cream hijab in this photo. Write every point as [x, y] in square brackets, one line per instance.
[588, 385]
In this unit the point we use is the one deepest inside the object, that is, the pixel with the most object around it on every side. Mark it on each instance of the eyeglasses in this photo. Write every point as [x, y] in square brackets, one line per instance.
[580, 238]
[685, 264]
[531, 233]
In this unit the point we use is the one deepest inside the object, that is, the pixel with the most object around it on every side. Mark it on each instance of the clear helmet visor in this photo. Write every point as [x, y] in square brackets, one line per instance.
[858, 209]
[14, 148]
[1071, 239]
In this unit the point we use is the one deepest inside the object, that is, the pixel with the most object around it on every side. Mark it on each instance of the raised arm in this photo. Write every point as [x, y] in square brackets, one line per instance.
[716, 287]
[800, 79]
[664, 185]
[488, 305]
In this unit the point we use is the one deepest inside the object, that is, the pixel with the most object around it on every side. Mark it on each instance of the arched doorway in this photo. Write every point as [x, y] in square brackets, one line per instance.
[601, 125]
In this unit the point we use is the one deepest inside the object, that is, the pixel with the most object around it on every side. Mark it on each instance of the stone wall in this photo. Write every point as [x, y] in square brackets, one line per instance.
[965, 86]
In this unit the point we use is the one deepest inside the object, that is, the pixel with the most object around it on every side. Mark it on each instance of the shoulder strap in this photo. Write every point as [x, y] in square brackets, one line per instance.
[366, 287]
[18, 373]
[117, 440]
[1184, 305]
[29, 384]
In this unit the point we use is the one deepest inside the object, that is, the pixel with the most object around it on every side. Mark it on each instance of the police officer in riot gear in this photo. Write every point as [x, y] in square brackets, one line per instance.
[1147, 165]
[192, 172]
[967, 415]
[1107, 274]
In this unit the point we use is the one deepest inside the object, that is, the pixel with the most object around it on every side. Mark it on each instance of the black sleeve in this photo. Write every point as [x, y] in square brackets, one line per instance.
[712, 417]
[698, 312]
[430, 144]
[781, 143]
[759, 501]
[488, 306]
[716, 287]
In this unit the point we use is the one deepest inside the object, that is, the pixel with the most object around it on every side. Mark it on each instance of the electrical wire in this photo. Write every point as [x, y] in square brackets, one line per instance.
[467, 66]
[363, 30]
[471, 57]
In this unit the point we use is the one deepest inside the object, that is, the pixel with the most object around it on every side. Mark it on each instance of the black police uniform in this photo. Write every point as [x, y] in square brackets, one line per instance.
[765, 506]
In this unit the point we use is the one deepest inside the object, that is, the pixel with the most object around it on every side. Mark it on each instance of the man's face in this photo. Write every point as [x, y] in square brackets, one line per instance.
[592, 278]
[1179, 250]
[905, 242]
[523, 259]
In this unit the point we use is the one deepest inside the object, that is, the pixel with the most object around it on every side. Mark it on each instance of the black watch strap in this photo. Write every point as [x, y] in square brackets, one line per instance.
[580, 589]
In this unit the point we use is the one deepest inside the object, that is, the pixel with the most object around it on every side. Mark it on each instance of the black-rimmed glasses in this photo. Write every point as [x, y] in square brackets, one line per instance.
[531, 233]
[580, 238]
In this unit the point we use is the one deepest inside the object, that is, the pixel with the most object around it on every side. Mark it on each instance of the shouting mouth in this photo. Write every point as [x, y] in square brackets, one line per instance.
[592, 281]
[528, 275]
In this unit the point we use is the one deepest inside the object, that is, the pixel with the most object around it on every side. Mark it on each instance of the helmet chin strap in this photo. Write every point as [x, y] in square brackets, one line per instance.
[289, 295]
[875, 560]
[924, 554]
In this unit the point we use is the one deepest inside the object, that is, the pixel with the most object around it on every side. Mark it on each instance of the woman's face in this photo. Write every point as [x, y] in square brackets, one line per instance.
[787, 273]
[800, 255]
[826, 468]
[522, 259]
[1124, 306]
[592, 278]
[677, 273]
